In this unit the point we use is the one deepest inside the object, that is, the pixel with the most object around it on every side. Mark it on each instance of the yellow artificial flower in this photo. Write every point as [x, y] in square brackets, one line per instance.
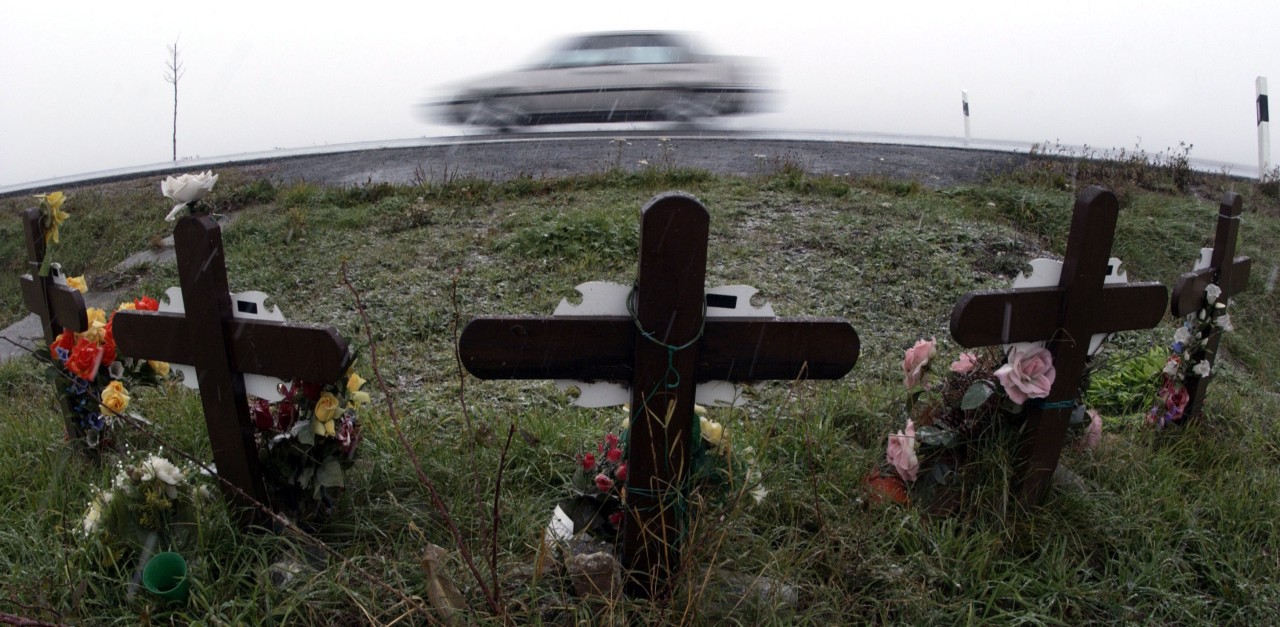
[56, 215]
[712, 431]
[161, 368]
[355, 382]
[96, 332]
[115, 398]
[327, 409]
[126, 306]
[78, 283]
[359, 398]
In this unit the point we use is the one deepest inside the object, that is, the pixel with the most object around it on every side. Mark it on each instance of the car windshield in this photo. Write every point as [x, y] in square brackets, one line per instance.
[619, 49]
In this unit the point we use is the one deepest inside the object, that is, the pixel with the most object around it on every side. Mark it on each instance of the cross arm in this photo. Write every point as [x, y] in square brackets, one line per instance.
[987, 318]
[1189, 290]
[516, 347]
[66, 304]
[273, 349]
[755, 350]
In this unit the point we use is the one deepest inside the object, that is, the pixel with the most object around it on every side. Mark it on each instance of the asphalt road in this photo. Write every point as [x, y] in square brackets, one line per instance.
[503, 157]
[939, 162]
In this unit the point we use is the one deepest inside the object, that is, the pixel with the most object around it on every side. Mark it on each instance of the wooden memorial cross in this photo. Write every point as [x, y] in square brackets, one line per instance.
[1225, 270]
[1065, 317]
[58, 306]
[222, 349]
[663, 352]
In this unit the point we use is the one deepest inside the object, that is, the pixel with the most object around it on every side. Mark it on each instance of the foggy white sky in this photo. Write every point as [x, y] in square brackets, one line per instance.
[82, 87]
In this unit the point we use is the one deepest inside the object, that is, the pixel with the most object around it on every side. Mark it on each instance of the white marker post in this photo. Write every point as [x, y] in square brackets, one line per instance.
[1264, 130]
[964, 100]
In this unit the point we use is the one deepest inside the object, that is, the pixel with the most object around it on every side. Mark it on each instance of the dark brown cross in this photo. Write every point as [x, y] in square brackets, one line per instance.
[1225, 270]
[222, 349]
[58, 306]
[1066, 317]
[664, 352]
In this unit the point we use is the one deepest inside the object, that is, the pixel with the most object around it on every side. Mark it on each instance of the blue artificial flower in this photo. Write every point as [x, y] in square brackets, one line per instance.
[1177, 347]
[63, 353]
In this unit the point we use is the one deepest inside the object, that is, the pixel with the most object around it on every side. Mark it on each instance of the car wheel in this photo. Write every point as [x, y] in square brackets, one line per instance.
[688, 107]
[497, 116]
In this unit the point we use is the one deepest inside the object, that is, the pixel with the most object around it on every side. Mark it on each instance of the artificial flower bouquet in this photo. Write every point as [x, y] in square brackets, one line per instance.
[97, 378]
[599, 482]
[149, 496]
[307, 441]
[1188, 363]
[980, 397]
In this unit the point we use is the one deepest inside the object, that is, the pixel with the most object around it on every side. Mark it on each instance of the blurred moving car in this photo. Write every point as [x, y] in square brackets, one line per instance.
[611, 77]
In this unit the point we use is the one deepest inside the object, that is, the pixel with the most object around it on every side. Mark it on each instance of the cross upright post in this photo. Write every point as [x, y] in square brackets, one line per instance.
[222, 349]
[1228, 272]
[58, 306]
[663, 352]
[1065, 317]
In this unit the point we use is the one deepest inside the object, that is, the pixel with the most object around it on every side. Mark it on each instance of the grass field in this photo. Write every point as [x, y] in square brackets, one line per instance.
[1171, 527]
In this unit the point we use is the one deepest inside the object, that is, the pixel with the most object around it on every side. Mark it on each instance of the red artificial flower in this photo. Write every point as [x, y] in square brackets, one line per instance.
[310, 390]
[260, 411]
[146, 303]
[85, 359]
[588, 462]
[108, 343]
[621, 472]
[888, 487]
[603, 483]
[66, 341]
[611, 440]
[614, 455]
[615, 519]
[286, 414]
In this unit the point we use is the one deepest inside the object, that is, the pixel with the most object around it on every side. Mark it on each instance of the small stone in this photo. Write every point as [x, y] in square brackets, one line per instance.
[595, 575]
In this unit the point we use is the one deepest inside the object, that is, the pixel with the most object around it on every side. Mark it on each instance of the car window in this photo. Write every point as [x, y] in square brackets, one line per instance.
[618, 49]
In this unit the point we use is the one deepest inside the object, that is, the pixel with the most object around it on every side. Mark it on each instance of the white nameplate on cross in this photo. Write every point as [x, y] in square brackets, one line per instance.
[602, 298]
[244, 305]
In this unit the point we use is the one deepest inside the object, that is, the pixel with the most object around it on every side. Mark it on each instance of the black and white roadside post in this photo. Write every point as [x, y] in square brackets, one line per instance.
[1264, 129]
[964, 101]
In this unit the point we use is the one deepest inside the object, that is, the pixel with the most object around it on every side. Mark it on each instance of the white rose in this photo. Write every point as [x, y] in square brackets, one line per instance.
[1201, 369]
[187, 189]
[1170, 368]
[1224, 322]
[1182, 335]
[1212, 292]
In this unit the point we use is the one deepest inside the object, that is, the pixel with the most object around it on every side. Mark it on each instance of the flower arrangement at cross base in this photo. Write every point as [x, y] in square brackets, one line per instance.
[1188, 363]
[307, 441]
[149, 496]
[600, 479]
[96, 379]
[949, 416]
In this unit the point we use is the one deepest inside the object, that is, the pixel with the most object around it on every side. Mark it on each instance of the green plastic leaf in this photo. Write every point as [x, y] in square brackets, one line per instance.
[930, 435]
[1078, 417]
[976, 395]
[329, 475]
[306, 435]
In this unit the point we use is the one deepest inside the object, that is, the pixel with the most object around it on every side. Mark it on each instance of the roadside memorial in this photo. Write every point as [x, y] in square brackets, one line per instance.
[659, 345]
[1067, 318]
[1200, 298]
[223, 338]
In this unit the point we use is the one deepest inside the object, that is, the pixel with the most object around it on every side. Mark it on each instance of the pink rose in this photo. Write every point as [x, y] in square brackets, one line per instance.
[902, 453]
[621, 472]
[915, 362]
[964, 363]
[614, 455]
[1093, 433]
[615, 519]
[603, 483]
[1027, 374]
[588, 462]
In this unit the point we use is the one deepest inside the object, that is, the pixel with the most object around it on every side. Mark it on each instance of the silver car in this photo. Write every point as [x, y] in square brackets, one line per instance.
[611, 77]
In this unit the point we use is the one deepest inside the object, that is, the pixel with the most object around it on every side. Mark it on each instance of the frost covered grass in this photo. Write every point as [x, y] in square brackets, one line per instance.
[1174, 527]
